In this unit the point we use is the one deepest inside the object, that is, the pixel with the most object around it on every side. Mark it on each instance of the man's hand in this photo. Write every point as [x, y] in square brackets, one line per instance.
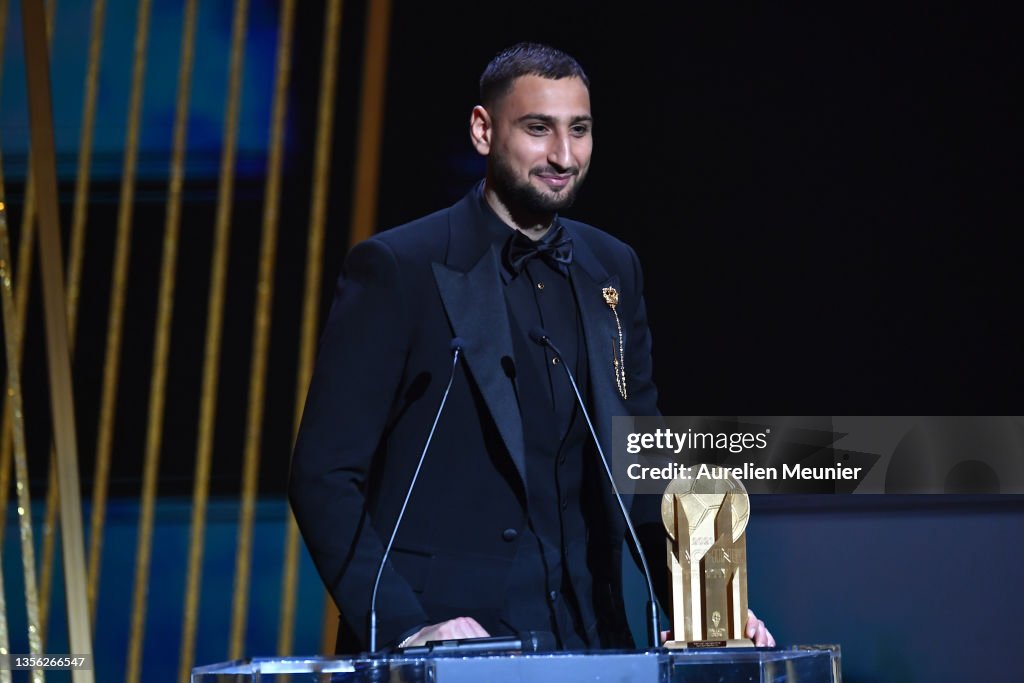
[756, 631]
[453, 629]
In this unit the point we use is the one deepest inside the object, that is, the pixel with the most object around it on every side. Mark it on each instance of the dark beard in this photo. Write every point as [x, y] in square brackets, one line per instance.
[521, 196]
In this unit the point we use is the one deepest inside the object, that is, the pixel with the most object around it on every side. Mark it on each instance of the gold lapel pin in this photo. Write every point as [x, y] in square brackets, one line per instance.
[611, 297]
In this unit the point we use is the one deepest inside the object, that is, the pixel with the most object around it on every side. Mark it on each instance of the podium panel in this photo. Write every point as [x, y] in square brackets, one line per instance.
[802, 664]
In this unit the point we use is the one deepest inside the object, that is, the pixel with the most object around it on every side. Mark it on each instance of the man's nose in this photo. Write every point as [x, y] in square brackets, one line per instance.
[560, 151]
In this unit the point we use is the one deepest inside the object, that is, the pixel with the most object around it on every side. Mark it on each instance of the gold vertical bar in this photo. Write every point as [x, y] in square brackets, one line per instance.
[311, 298]
[83, 174]
[261, 332]
[165, 305]
[55, 317]
[28, 216]
[20, 460]
[49, 529]
[5, 434]
[49, 516]
[118, 285]
[6, 294]
[5, 257]
[371, 118]
[78, 217]
[28, 559]
[24, 280]
[74, 274]
[211, 353]
[162, 336]
[21, 290]
[49, 521]
[5, 464]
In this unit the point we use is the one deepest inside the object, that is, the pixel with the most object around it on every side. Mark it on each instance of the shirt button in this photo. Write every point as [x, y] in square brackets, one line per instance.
[565, 504]
[555, 361]
[553, 595]
[540, 285]
[510, 534]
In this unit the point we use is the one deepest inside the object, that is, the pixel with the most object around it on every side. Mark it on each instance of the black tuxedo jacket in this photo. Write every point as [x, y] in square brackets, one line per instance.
[383, 364]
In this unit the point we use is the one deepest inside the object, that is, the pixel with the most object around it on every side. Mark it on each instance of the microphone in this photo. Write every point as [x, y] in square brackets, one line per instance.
[539, 336]
[456, 347]
[526, 641]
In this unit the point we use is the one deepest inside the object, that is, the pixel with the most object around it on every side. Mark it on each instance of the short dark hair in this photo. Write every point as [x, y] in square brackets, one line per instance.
[526, 59]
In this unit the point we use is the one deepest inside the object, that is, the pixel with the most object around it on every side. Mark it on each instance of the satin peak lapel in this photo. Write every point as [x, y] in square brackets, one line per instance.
[589, 278]
[476, 309]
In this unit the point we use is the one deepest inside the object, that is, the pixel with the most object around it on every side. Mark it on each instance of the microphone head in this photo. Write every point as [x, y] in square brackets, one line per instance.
[538, 335]
[456, 344]
[537, 641]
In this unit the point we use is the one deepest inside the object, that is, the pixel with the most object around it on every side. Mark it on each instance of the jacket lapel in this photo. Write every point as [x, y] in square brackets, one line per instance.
[589, 279]
[470, 286]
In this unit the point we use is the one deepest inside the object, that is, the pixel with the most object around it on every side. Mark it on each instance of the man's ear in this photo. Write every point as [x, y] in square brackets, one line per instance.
[481, 129]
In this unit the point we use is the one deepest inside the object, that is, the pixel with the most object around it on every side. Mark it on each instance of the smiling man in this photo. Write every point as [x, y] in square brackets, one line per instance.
[512, 526]
[537, 135]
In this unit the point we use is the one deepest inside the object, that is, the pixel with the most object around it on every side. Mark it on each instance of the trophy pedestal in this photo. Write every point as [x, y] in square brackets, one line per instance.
[707, 644]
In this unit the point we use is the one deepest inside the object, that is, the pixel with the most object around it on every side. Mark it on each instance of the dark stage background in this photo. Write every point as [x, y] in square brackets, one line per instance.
[824, 198]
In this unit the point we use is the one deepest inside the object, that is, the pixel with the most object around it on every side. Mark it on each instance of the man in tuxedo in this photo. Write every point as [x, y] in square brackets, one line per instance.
[512, 525]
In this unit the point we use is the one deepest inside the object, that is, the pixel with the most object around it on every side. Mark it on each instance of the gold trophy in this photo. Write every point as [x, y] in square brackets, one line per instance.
[707, 559]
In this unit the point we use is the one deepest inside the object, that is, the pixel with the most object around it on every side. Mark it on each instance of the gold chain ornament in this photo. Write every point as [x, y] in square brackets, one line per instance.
[611, 297]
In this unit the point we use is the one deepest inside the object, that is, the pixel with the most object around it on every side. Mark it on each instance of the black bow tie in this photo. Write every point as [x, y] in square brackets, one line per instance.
[555, 248]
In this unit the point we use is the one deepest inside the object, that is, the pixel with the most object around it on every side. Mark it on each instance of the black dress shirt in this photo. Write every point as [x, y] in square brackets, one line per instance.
[550, 585]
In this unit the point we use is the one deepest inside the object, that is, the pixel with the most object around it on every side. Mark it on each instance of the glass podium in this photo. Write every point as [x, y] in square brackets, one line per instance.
[798, 664]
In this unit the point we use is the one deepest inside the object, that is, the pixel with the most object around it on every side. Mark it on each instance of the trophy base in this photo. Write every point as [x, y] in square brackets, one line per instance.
[705, 644]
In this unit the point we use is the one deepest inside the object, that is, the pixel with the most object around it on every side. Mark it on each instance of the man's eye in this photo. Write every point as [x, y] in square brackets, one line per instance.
[580, 130]
[537, 128]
